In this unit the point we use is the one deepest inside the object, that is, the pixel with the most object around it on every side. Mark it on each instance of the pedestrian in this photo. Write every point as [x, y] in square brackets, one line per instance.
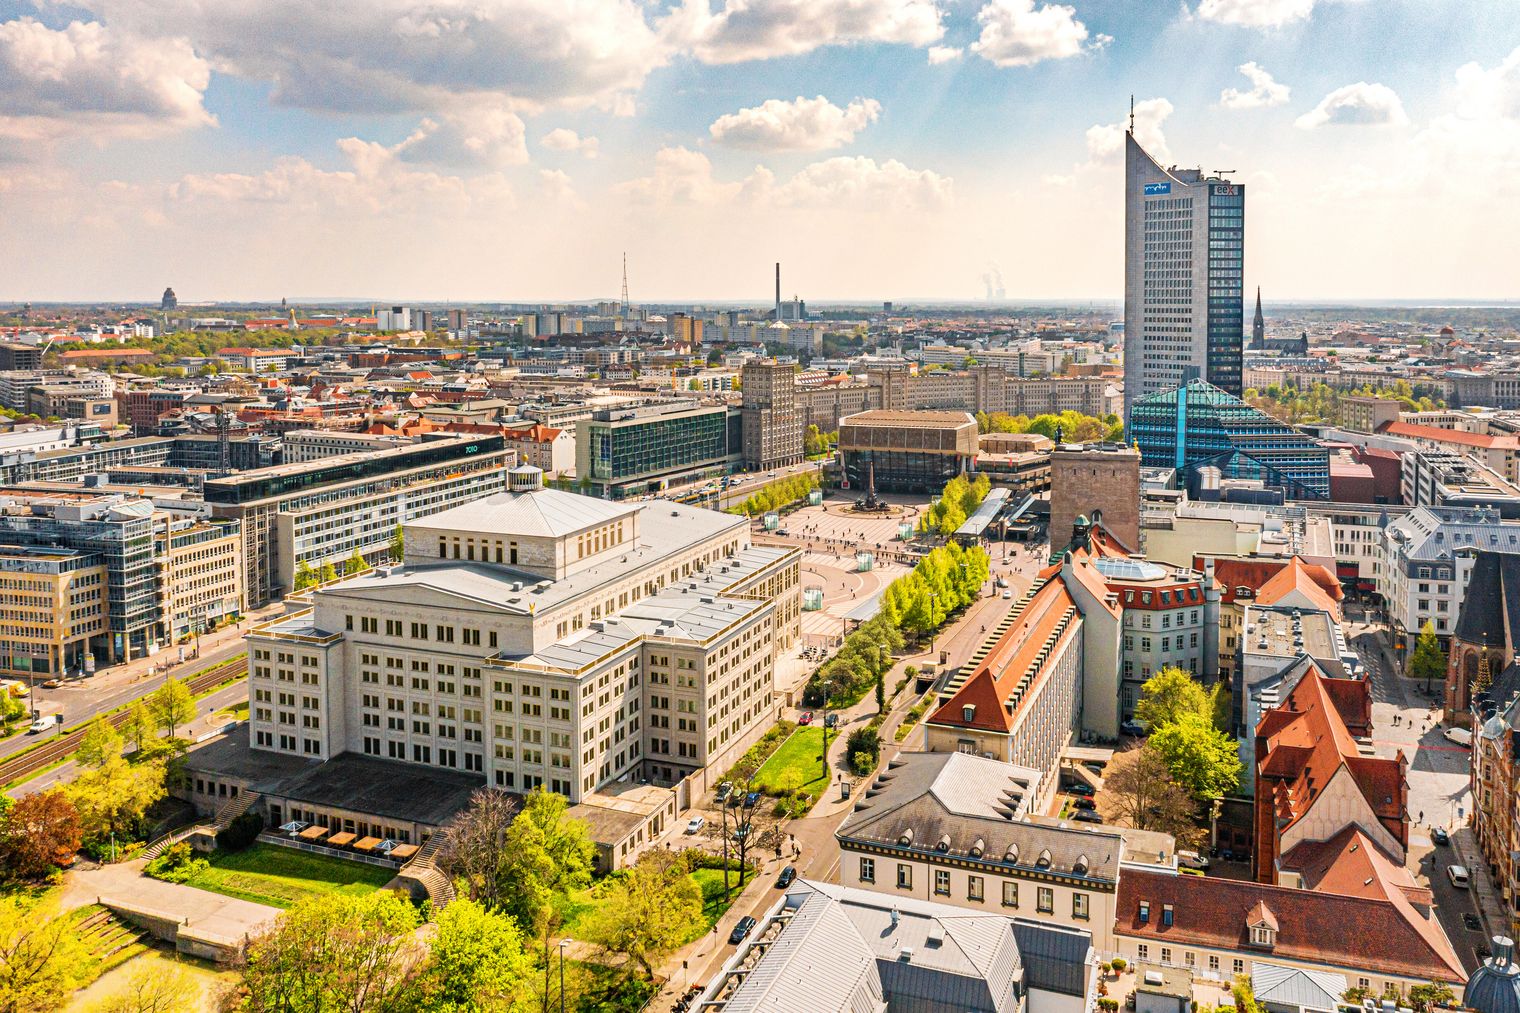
[1422, 817]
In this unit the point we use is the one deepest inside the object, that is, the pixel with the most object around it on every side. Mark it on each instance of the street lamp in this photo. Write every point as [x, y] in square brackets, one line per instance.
[933, 597]
[562, 944]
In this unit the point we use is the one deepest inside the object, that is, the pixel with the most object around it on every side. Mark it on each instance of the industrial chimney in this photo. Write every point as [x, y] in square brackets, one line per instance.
[778, 290]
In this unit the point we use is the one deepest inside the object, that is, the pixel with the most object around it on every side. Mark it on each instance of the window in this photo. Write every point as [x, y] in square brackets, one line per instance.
[1238, 966]
[1010, 894]
[941, 882]
[868, 870]
[1045, 900]
[1166, 915]
[1365, 983]
[1143, 952]
[1213, 961]
[1079, 906]
[974, 888]
[904, 877]
[1166, 954]
[1145, 912]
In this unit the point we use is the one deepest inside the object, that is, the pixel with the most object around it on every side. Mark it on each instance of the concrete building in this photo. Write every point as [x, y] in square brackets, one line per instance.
[908, 451]
[302, 445]
[771, 422]
[326, 510]
[1428, 557]
[832, 949]
[1441, 479]
[633, 451]
[957, 829]
[1096, 476]
[54, 609]
[824, 404]
[1184, 301]
[15, 355]
[1368, 414]
[539, 638]
[991, 389]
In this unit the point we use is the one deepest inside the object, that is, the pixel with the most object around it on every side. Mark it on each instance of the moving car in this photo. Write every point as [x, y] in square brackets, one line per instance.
[1086, 816]
[745, 926]
[1458, 876]
[43, 723]
[785, 879]
[1439, 836]
[694, 824]
[1007, 595]
[830, 721]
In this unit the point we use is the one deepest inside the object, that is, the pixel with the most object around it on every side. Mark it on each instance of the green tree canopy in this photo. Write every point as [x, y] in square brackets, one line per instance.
[476, 961]
[1427, 662]
[172, 704]
[547, 855]
[1200, 757]
[100, 743]
[649, 912]
[1172, 693]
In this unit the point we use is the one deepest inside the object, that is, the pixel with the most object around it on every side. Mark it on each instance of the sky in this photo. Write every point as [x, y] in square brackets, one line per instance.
[514, 150]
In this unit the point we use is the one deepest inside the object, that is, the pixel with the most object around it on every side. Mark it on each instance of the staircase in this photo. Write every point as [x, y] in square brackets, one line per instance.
[423, 870]
[233, 808]
[164, 843]
[220, 820]
[105, 935]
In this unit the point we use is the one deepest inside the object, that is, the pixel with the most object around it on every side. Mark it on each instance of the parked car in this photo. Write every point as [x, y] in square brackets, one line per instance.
[805, 718]
[1458, 876]
[1096, 766]
[745, 926]
[1192, 860]
[1086, 816]
[1461, 736]
[751, 800]
[51, 684]
[1134, 726]
[724, 790]
[695, 823]
[787, 875]
[831, 721]
[1078, 788]
[1083, 803]
[1439, 836]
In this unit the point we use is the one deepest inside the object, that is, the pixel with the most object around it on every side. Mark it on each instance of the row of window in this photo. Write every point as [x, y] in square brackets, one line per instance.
[1045, 902]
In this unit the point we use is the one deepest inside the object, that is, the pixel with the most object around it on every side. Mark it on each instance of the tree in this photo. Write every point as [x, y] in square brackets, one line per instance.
[1423, 997]
[327, 574]
[114, 798]
[398, 544]
[474, 851]
[41, 959]
[100, 743]
[154, 988]
[173, 705]
[1427, 662]
[476, 961]
[355, 564]
[40, 832]
[1199, 756]
[1168, 695]
[305, 576]
[139, 728]
[547, 854]
[1143, 795]
[648, 913]
[354, 954]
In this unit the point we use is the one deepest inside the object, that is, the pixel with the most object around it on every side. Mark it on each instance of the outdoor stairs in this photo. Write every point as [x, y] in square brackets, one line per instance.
[106, 935]
[233, 808]
[423, 869]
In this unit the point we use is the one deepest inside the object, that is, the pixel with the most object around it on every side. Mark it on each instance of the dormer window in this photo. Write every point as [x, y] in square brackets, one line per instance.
[1166, 915]
[1262, 935]
[1145, 912]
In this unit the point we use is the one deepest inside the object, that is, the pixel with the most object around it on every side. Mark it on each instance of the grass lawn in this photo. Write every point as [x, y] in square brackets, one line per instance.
[280, 877]
[799, 753]
[711, 883]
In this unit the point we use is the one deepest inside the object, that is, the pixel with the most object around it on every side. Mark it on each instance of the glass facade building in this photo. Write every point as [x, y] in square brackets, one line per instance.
[1198, 425]
[634, 451]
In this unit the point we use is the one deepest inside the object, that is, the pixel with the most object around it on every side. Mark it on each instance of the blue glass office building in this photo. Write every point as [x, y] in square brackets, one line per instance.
[1198, 425]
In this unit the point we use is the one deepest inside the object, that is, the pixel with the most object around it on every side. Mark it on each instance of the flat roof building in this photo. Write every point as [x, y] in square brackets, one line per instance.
[631, 451]
[908, 451]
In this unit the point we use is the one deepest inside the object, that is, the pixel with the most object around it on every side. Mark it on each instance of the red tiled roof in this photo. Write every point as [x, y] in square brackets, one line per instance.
[1316, 927]
[1435, 435]
[1312, 581]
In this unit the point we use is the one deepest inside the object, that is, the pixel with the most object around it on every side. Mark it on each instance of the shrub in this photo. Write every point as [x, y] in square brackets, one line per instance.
[1119, 964]
[176, 865]
[241, 832]
[1108, 1005]
[862, 764]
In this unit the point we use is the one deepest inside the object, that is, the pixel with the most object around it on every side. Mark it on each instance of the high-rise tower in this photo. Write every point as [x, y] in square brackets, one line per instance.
[1184, 306]
[1258, 324]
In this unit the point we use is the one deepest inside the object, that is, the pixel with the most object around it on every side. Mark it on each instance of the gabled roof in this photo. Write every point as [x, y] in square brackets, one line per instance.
[1314, 927]
[1351, 863]
[1310, 580]
[542, 512]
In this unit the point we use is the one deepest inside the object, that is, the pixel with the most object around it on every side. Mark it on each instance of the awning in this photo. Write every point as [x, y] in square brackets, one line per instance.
[366, 843]
[313, 833]
[402, 852]
[340, 840]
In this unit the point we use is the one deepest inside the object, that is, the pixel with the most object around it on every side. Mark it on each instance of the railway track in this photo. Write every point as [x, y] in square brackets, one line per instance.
[19, 768]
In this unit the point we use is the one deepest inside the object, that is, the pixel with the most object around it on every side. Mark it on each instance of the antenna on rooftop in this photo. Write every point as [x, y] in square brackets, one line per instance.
[1132, 113]
[625, 285]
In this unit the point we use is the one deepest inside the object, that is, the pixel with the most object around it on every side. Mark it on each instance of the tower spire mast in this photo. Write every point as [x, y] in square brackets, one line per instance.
[625, 286]
[1132, 114]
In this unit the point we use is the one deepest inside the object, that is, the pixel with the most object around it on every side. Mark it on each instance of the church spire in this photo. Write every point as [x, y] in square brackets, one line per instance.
[1258, 325]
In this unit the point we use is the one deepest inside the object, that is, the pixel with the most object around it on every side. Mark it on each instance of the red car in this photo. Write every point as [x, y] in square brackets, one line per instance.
[806, 718]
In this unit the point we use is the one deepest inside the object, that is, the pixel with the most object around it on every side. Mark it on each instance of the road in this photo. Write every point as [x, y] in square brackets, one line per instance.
[222, 699]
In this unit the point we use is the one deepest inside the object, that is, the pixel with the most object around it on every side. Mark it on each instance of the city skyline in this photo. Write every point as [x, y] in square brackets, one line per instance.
[881, 149]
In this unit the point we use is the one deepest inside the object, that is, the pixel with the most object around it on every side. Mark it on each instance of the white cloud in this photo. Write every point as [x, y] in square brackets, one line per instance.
[387, 56]
[484, 134]
[1359, 104]
[564, 139]
[1255, 13]
[748, 30]
[88, 80]
[1016, 33]
[1264, 91]
[683, 176]
[803, 124]
[945, 54]
[1105, 141]
[1490, 93]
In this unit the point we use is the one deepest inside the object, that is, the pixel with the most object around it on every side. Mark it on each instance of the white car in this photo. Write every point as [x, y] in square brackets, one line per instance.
[694, 824]
[44, 723]
[1458, 876]
[1461, 736]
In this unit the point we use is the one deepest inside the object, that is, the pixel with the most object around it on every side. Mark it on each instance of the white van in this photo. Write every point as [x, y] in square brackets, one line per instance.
[1461, 736]
[1458, 876]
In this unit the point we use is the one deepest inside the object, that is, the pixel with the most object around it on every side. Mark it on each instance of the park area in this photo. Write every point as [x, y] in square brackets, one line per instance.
[796, 765]
[282, 877]
[709, 880]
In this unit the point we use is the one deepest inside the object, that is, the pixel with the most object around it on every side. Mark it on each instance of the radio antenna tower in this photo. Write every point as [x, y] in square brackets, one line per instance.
[625, 286]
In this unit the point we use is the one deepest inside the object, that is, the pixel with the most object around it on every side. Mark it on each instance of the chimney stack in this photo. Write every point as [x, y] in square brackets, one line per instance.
[778, 290]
